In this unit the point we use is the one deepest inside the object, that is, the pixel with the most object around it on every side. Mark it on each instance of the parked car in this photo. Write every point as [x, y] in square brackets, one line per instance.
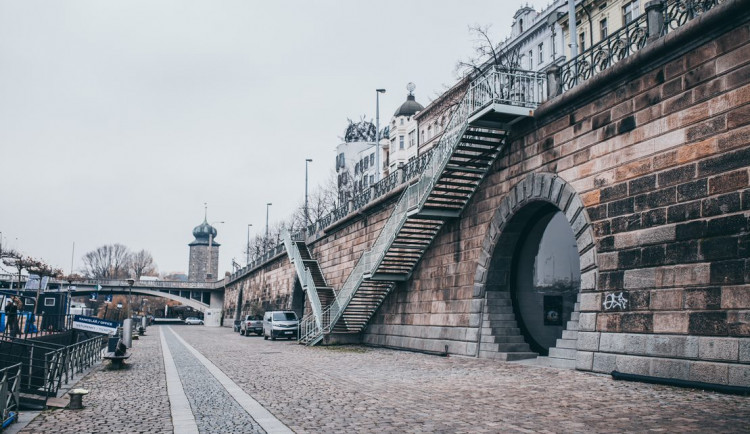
[280, 324]
[236, 326]
[193, 321]
[251, 324]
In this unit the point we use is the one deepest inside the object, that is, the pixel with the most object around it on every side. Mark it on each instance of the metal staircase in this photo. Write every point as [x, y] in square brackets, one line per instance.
[472, 140]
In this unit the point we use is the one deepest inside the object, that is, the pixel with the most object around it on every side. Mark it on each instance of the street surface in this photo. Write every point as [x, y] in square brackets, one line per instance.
[359, 389]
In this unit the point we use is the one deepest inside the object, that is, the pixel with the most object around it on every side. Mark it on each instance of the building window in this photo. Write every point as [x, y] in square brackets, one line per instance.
[402, 121]
[366, 162]
[49, 301]
[372, 179]
[531, 59]
[400, 142]
[412, 140]
[629, 12]
[581, 41]
[372, 159]
[429, 132]
[541, 53]
[603, 29]
[520, 25]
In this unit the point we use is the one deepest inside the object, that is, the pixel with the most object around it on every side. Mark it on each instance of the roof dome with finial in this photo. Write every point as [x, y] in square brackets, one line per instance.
[204, 233]
[410, 106]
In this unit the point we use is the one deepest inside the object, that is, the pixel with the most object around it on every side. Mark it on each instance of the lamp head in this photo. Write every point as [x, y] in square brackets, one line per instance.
[380, 90]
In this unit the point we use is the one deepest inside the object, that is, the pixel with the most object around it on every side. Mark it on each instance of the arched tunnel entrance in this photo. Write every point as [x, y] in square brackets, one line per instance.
[545, 277]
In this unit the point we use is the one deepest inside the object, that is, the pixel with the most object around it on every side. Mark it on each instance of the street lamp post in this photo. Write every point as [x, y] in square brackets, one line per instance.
[377, 132]
[248, 244]
[130, 293]
[307, 212]
[265, 243]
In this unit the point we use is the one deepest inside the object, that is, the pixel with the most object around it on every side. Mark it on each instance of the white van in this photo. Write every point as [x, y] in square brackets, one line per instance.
[280, 324]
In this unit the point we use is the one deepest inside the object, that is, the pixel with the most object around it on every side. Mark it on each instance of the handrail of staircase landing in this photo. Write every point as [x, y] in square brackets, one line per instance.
[306, 279]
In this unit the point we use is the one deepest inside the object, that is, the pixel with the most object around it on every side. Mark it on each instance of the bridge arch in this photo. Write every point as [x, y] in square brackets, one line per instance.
[541, 217]
[195, 304]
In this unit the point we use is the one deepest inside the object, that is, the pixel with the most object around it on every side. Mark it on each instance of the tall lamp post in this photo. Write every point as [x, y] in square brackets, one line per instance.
[307, 212]
[377, 132]
[130, 294]
[248, 244]
[265, 243]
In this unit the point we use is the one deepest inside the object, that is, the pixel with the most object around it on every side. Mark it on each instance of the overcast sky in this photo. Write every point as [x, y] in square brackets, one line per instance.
[119, 119]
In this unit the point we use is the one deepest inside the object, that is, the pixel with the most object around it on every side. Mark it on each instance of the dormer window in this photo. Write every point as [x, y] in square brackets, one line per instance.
[520, 25]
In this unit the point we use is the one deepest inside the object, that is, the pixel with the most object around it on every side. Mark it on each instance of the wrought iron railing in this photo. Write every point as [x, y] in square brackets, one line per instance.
[624, 42]
[414, 168]
[521, 88]
[607, 52]
[10, 382]
[28, 325]
[678, 12]
[361, 199]
[385, 185]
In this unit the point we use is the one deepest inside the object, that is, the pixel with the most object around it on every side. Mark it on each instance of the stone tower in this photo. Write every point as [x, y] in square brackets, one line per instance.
[204, 254]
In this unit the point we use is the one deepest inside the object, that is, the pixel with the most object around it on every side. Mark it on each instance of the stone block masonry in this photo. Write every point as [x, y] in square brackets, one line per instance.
[650, 163]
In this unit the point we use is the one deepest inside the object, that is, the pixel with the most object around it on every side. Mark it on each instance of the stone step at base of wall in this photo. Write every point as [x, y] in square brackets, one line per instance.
[522, 347]
[570, 334]
[548, 362]
[562, 353]
[497, 316]
[572, 326]
[577, 307]
[503, 339]
[566, 343]
[499, 302]
[574, 316]
[502, 324]
[491, 295]
[502, 331]
[507, 357]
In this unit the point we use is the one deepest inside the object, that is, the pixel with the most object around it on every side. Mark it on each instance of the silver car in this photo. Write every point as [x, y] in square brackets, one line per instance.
[280, 324]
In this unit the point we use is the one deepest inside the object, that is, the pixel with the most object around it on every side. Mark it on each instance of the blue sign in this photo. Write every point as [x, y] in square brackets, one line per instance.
[93, 324]
[93, 296]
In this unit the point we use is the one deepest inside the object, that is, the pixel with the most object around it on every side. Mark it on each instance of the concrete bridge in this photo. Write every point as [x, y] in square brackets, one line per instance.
[207, 297]
[603, 226]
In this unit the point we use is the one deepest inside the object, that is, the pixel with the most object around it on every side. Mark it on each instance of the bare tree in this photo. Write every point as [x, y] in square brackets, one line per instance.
[487, 53]
[111, 261]
[142, 264]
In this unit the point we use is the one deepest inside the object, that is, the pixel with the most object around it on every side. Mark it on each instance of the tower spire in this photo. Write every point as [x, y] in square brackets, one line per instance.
[205, 212]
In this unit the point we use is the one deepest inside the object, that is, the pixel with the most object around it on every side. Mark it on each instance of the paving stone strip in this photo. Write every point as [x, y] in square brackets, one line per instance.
[182, 415]
[360, 389]
[263, 417]
[214, 409]
[129, 400]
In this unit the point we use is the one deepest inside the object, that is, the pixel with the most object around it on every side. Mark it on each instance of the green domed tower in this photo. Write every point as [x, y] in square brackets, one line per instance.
[204, 254]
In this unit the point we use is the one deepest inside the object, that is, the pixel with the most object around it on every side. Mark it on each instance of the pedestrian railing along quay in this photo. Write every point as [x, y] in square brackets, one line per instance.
[10, 382]
[659, 19]
[45, 366]
[28, 325]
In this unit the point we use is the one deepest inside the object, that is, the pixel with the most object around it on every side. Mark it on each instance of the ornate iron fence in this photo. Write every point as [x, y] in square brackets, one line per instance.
[678, 12]
[361, 199]
[617, 46]
[385, 185]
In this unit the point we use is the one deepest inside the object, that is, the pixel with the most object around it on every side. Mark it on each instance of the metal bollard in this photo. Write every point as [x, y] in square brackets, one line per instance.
[144, 323]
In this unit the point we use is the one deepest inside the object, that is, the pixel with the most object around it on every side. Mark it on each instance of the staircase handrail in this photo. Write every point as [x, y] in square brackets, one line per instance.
[305, 277]
[519, 88]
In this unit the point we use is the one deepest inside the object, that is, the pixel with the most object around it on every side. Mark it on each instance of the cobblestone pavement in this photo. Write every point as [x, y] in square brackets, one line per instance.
[214, 408]
[132, 400]
[357, 389]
